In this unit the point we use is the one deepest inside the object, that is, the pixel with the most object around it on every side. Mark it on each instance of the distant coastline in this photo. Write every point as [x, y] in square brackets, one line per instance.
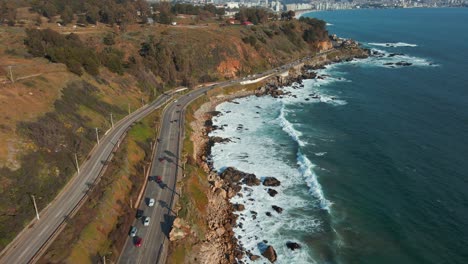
[299, 13]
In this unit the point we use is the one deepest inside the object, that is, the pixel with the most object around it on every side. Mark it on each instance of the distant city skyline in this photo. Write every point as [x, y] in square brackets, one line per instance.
[298, 5]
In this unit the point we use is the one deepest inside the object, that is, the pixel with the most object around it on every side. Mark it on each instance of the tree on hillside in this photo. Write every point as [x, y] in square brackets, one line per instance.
[288, 15]
[92, 14]
[49, 10]
[254, 15]
[165, 15]
[316, 31]
[67, 15]
[7, 12]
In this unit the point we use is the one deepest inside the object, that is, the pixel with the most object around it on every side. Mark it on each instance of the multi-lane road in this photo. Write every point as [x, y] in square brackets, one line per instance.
[166, 164]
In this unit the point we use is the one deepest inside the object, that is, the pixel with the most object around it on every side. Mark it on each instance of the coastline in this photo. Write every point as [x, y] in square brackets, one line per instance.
[300, 13]
[220, 244]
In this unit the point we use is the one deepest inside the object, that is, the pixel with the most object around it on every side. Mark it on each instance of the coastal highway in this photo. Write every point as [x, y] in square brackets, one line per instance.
[29, 244]
[166, 164]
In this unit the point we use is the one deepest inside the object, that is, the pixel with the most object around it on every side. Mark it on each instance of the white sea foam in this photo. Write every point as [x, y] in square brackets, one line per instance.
[386, 59]
[310, 177]
[319, 154]
[289, 128]
[259, 148]
[393, 45]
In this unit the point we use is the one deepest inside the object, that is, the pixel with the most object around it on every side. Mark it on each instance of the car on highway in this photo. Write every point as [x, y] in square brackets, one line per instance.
[133, 231]
[146, 221]
[138, 241]
[158, 179]
[150, 202]
[139, 214]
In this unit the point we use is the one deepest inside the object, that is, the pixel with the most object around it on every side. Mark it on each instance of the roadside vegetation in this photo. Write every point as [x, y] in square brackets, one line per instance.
[100, 227]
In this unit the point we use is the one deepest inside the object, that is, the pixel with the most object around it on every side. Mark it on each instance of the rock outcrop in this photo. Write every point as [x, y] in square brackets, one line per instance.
[270, 254]
[271, 181]
[179, 230]
[272, 192]
[293, 245]
[278, 209]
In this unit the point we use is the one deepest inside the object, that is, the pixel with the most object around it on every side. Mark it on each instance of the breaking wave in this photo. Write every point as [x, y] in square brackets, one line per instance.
[392, 45]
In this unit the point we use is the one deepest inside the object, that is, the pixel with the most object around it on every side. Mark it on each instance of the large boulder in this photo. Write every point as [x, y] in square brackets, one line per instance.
[272, 192]
[278, 209]
[271, 181]
[293, 245]
[231, 175]
[239, 207]
[270, 254]
[251, 179]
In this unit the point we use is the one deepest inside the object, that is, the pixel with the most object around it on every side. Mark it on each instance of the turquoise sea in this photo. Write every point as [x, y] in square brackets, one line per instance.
[374, 170]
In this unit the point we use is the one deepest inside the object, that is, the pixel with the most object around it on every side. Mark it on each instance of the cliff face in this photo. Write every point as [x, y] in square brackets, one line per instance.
[324, 45]
[185, 56]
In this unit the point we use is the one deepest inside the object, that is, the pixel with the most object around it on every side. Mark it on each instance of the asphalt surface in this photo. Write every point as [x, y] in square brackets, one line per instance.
[166, 164]
[25, 247]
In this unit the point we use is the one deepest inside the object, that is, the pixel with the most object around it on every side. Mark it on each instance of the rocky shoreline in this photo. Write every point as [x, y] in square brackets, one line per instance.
[220, 244]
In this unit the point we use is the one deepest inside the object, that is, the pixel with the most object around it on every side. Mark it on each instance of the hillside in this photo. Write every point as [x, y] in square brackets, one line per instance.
[54, 101]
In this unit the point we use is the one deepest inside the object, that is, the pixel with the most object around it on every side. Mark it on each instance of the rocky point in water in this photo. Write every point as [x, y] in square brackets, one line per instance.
[293, 245]
[272, 192]
[271, 181]
[270, 254]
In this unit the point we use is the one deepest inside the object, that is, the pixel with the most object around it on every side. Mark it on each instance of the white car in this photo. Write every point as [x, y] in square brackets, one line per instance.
[150, 202]
[146, 222]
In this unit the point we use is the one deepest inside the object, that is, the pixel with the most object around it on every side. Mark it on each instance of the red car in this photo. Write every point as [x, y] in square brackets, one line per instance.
[138, 242]
[158, 179]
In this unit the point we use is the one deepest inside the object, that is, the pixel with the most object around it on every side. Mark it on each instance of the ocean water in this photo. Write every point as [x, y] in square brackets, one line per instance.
[372, 159]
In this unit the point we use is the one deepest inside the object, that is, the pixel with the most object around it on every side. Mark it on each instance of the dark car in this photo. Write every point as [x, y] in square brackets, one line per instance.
[138, 241]
[139, 214]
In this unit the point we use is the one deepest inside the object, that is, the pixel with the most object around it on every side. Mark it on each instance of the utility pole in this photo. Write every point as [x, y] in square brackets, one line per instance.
[11, 74]
[97, 135]
[35, 206]
[129, 109]
[77, 165]
[112, 120]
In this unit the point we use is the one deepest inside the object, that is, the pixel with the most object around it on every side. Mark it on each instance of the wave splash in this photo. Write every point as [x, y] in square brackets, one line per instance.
[305, 165]
[392, 45]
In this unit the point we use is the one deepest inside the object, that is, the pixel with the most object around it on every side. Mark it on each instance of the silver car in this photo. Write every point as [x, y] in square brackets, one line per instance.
[133, 231]
[146, 222]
